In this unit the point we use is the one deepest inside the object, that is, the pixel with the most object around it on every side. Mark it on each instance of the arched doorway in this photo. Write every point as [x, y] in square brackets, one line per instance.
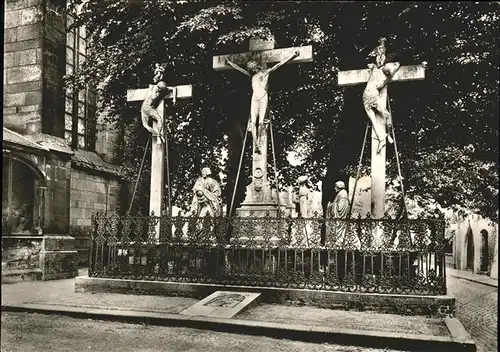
[470, 250]
[484, 251]
[22, 195]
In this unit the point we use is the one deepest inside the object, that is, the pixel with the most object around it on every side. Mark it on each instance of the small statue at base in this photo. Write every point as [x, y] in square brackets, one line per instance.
[207, 196]
[339, 208]
[304, 195]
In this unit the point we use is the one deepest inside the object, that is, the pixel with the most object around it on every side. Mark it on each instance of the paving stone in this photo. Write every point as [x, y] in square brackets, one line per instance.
[477, 309]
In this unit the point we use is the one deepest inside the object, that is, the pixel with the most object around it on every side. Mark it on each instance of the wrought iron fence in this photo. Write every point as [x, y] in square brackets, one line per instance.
[355, 255]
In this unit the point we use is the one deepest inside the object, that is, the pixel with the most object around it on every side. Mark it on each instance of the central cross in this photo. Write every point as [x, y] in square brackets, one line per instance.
[378, 149]
[259, 198]
[157, 184]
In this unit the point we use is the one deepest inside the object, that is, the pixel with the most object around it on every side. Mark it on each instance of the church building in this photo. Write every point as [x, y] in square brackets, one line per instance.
[57, 153]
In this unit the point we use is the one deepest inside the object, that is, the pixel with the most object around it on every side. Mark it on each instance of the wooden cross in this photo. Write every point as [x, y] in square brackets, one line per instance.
[353, 77]
[262, 52]
[157, 149]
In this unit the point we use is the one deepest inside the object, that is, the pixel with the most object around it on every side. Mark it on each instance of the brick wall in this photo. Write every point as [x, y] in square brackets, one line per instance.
[106, 136]
[90, 193]
[23, 65]
[54, 67]
[58, 171]
[105, 143]
[30, 73]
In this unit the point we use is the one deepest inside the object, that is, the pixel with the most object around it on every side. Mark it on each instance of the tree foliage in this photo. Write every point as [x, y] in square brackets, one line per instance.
[436, 120]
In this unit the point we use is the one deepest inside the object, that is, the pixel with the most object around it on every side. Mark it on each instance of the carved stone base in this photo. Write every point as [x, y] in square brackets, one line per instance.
[258, 210]
[47, 257]
[259, 201]
[58, 257]
[259, 192]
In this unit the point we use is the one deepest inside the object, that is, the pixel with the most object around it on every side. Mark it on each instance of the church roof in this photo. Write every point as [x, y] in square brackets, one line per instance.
[92, 160]
[12, 137]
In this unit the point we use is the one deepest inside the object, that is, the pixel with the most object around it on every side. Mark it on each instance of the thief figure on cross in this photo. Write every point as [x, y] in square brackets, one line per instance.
[260, 77]
[375, 95]
[152, 100]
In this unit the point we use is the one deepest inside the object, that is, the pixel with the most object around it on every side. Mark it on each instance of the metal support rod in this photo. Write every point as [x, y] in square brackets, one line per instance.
[238, 173]
[359, 169]
[139, 175]
[275, 169]
[169, 193]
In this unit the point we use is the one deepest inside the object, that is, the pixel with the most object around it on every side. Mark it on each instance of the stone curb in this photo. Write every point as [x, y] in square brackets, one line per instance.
[474, 280]
[459, 341]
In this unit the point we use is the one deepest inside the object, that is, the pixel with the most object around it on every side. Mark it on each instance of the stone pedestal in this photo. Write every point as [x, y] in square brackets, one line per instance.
[21, 258]
[31, 257]
[58, 257]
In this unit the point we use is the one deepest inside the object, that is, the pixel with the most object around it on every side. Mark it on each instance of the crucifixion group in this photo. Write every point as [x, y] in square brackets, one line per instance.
[254, 65]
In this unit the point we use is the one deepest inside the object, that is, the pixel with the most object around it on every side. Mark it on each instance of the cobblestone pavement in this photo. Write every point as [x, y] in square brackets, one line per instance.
[477, 309]
[23, 332]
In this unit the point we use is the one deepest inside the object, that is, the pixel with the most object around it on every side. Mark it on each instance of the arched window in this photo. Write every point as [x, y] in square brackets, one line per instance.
[23, 188]
[80, 104]
[484, 251]
[470, 250]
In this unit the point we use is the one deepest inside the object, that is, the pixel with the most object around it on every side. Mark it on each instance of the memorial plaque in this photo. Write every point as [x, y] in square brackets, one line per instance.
[257, 44]
[222, 304]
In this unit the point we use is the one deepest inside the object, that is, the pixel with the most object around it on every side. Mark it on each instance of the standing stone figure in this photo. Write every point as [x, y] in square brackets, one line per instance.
[339, 208]
[304, 196]
[207, 196]
[151, 102]
[260, 77]
[338, 211]
[375, 94]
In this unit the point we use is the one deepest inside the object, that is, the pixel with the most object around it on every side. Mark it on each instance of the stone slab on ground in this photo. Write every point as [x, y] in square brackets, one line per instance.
[222, 304]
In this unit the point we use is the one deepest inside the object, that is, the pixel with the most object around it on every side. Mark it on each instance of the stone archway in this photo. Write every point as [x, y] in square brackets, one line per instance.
[469, 250]
[484, 251]
[22, 197]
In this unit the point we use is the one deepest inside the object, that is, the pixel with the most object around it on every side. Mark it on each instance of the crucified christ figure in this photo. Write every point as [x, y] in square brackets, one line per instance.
[260, 77]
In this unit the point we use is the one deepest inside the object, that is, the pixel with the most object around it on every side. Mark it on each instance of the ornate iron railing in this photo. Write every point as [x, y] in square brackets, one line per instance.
[355, 255]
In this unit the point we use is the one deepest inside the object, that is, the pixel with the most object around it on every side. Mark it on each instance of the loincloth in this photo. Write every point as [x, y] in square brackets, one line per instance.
[370, 99]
